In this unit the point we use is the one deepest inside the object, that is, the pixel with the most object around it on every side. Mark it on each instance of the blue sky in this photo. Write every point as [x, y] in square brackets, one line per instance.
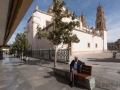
[88, 7]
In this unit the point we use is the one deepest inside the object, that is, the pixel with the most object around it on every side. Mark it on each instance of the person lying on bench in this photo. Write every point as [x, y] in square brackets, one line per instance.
[75, 67]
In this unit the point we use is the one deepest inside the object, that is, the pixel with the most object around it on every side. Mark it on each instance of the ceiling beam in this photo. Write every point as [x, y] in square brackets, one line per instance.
[19, 9]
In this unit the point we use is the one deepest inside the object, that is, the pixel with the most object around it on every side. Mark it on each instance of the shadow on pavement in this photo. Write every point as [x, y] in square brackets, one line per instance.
[36, 62]
[104, 60]
[118, 72]
[62, 80]
[46, 67]
[29, 62]
[18, 65]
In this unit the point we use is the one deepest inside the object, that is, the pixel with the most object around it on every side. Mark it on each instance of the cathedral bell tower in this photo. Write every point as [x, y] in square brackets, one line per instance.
[100, 20]
[83, 20]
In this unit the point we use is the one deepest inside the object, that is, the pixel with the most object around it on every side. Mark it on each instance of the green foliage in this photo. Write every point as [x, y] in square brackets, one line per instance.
[116, 47]
[62, 31]
[20, 43]
[40, 33]
[117, 43]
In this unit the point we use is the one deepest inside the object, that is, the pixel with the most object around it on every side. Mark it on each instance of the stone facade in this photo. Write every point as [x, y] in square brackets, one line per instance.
[92, 40]
[83, 20]
[100, 20]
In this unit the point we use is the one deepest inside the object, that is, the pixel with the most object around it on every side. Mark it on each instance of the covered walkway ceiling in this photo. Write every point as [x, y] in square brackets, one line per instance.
[11, 13]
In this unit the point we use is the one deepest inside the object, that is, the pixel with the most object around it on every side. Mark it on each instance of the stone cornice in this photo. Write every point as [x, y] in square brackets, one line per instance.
[51, 14]
[84, 31]
[88, 32]
[43, 12]
[32, 17]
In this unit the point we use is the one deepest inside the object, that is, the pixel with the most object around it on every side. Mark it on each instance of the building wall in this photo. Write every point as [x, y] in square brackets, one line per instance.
[29, 32]
[36, 19]
[82, 46]
[105, 40]
[111, 46]
[78, 19]
[40, 19]
[43, 44]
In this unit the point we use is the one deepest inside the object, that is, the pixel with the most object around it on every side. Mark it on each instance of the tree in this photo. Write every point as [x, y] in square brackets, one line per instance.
[62, 31]
[21, 43]
[117, 43]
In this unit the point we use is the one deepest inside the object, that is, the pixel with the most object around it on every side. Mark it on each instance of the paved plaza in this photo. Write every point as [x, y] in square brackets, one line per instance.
[36, 74]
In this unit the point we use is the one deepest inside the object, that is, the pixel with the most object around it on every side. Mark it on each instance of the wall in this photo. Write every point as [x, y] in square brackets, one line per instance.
[111, 46]
[40, 18]
[105, 40]
[37, 18]
[43, 44]
[82, 46]
[29, 32]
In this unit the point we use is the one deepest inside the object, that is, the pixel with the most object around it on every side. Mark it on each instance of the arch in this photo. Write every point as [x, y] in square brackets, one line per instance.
[100, 24]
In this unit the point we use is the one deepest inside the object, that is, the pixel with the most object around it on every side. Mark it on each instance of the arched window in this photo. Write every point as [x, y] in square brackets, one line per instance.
[100, 23]
[97, 25]
[88, 45]
[96, 45]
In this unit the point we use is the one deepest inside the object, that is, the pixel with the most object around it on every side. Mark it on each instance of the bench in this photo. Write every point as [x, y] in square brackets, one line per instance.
[86, 72]
[84, 78]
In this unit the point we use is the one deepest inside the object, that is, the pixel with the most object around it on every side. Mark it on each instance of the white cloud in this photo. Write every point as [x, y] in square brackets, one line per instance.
[113, 26]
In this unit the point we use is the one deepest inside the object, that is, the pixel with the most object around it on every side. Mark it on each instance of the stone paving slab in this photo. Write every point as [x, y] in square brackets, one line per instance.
[16, 74]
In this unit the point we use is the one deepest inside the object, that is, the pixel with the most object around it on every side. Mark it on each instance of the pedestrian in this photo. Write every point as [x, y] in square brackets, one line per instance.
[75, 67]
[114, 55]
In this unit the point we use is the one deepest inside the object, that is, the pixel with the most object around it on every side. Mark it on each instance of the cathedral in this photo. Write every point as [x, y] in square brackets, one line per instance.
[92, 40]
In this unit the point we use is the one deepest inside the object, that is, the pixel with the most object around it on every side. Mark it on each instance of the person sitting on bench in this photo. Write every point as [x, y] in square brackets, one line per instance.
[75, 67]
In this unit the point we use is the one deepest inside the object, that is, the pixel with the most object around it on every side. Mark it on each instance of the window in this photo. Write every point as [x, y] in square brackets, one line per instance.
[88, 45]
[96, 45]
[97, 25]
[100, 23]
[112, 46]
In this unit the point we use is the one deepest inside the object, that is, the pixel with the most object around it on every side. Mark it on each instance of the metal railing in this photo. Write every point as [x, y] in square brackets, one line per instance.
[62, 55]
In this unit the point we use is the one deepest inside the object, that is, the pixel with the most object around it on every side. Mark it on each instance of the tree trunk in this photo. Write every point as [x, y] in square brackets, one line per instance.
[55, 59]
